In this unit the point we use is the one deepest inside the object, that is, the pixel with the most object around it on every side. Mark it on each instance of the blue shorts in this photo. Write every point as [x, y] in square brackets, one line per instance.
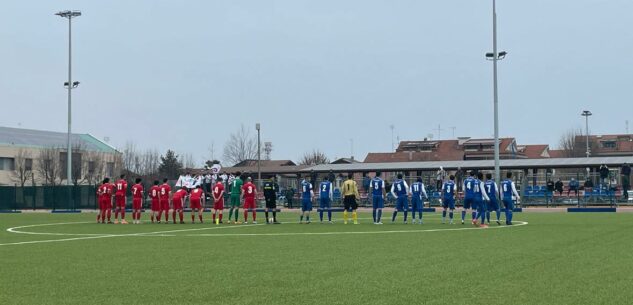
[378, 202]
[325, 203]
[509, 204]
[416, 204]
[479, 205]
[492, 205]
[306, 205]
[469, 203]
[402, 204]
[449, 203]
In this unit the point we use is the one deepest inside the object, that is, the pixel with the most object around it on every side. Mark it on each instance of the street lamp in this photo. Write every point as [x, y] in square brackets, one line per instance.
[494, 57]
[70, 15]
[586, 114]
[259, 157]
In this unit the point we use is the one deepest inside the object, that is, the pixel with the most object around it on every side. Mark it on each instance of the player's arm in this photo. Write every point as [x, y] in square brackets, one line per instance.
[331, 194]
[406, 187]
[393, 191]
[384, 192]
[356, 190]
[424, 192]
[514, 191]
[482, 187]
[498, 190]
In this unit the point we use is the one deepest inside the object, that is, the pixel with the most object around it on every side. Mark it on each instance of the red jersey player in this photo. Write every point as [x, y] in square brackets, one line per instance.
[105, 200]
[137, 201]
[165, 194]
[196, 202]
[249, 191]
[218, 200]
[154, 193]
[119, 199]
[178, 201]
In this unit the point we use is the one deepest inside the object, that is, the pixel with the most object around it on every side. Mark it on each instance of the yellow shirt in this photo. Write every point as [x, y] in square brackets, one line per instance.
[350, 188]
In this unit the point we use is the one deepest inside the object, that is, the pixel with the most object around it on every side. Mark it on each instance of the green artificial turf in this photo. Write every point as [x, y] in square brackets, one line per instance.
[557, 258]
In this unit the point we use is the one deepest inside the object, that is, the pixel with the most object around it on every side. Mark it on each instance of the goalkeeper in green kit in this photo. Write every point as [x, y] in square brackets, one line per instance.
[236, 188]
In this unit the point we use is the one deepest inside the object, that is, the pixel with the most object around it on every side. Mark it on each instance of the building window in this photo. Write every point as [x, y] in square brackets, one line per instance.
[28, 164]
[609, 144]
[91, 167]
[7, 164]
[110, 169]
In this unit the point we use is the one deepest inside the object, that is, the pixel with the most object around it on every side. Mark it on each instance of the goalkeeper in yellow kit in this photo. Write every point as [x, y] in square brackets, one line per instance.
[350, 194]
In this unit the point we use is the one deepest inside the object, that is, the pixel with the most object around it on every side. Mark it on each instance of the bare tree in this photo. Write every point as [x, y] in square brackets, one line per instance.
[241, 146]
[314, 157]
[93, 167]
[49, 165]
[23, 167]
[149, 163]
[187, 161]
[77, 170]
[130, 156]
[571, 146]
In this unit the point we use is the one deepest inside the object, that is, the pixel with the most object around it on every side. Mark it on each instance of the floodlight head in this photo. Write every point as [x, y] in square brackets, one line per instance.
[490, 55]
[68, 14]
[75, 84]
[502, 54]
[65, 84]
[257, 126]
[586, 113]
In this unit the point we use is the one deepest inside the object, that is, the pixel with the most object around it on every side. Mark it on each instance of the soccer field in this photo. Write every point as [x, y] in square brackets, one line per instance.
[551, 258]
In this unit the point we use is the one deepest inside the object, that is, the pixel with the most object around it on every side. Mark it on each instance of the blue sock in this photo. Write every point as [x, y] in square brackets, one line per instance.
[420, 214]
[308, 218]
[405, 216]
[393, 217]
[473, 216]
[488, 216]
[413, 215]
[498, 212]
[374, 214]
[510, 215]
[321, 215]
[444, 214]
[329, 215]
[450, 215]
[379, 215]
[463, 215]
[301, 218]
[483, 216]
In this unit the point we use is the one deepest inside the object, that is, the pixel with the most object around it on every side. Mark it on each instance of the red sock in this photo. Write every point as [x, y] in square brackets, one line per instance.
[109, 215]
[103, 214]
[200, 216]
[160, 215]
[181, 214]
[116, 213]
[166, 215]
[123, 214]
[151, 216]
[245, 216]
[213, 217]
[192, 218]
[173, 216]
[99, 216]
[220, 216]
[254, 215]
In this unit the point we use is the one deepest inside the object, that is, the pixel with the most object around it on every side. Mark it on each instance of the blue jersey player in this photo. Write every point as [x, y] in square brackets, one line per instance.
[377, 189]
[507, 190]
[448, 199]
[492, 190]
[325, 199]
[306, 200]
[400, 191]
[417, 203]
[480, 201]
[469, 195]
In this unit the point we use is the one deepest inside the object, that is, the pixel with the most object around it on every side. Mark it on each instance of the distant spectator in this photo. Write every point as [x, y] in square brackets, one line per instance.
[588, 184]
[440, 176]
[613, 184]
[290, 193]
[558, 186]
[331, 177]
[604, 174]
[573, 186]
[625, 173]
[459, 175]
[549, 190]
[366, 182]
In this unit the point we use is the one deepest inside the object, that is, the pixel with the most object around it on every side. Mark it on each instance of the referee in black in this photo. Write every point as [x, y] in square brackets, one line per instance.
[270, 194]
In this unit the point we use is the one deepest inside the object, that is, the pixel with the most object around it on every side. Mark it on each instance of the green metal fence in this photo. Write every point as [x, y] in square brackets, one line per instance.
[48, 197]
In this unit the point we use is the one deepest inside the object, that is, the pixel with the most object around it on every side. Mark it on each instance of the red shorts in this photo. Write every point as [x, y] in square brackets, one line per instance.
[155, 205]
[195, 204]
[137, 203]
[178, 204]
[105, 204]
[120, 200]
[249, 203]
[219, 205]
[164, 204]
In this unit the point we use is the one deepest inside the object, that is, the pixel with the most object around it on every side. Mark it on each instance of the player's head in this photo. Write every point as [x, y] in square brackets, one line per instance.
[509, 175]
[122, 176]
[488, 176]
[237, 174]
[219, 179]
[419, 179]
[326, 179]
[350, 175]
[472, 173]
[165, 180]
[188, 173]
[378, 174]
[156, 182]
[249, 179]
[451, 177]
[138, 180]
[480, 176]
[106, 180]
[399, 176]
[198, 186]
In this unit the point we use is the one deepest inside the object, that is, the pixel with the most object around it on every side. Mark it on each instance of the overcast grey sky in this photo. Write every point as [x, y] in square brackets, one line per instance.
[185, 74]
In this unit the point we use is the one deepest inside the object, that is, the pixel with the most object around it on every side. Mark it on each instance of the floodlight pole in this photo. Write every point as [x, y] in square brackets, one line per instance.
[70, 15]
[586, 114]
[496, 96]
[259, 157]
